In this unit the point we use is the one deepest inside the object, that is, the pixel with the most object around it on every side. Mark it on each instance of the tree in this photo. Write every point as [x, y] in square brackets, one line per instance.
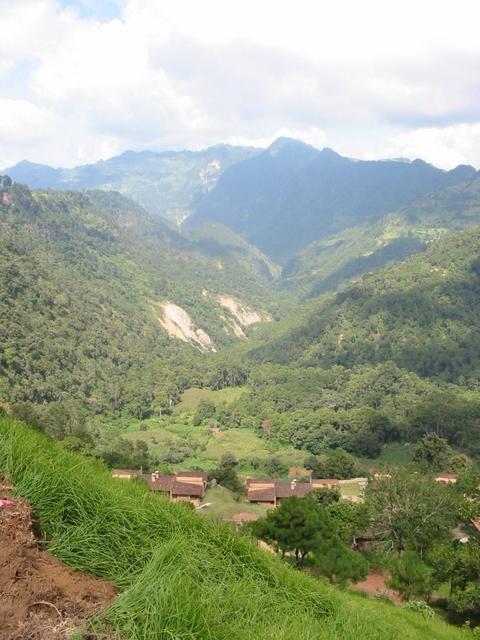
[226, 474]
[409, 511]
[338, 562]
[459, 564]
[350, 519]
[275, 468]
[412, 577]
[433, 452]
[205, 410]
[297, 525]
[325, 496]
[337, 463]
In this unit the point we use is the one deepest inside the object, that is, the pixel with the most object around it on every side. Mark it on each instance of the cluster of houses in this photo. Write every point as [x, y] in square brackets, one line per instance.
[183, 486]
[190, 486]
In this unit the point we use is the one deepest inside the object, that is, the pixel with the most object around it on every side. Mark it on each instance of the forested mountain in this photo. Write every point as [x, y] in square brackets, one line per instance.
[323, 265]
[164, 183]
[422, 314]
[393, 357]
[91, 286]
[290, 194]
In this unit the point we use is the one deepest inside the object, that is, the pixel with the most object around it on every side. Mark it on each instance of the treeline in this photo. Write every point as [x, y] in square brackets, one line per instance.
[358, 410]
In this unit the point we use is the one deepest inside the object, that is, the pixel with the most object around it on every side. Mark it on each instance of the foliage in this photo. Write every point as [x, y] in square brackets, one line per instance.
[80, 275]
[421, 607]
[213, 582]
[409, 511]
[411, 577]
[433, 452]
[350, 519]
[459, 565]
[226, 475]
[338, 562]
[295, 526]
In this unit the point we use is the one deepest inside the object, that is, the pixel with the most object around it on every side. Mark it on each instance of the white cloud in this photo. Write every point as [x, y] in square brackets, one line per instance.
[445, 147]
[367, 78]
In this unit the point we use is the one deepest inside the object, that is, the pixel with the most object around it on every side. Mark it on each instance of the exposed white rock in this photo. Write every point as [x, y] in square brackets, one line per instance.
[243, 314]
[209, 175]
[178, 324]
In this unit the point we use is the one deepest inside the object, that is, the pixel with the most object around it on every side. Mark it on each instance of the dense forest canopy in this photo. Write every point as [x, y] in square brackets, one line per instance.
[367, 360]
[80, 280]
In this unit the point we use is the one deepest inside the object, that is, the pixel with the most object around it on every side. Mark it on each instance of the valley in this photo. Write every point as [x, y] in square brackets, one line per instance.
[326, 353]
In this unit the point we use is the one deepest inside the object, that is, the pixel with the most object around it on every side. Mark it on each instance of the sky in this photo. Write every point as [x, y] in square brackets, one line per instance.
[83, 80]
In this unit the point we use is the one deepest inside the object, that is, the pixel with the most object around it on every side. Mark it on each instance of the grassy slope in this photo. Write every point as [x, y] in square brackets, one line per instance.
[176, 429]
[183, 577]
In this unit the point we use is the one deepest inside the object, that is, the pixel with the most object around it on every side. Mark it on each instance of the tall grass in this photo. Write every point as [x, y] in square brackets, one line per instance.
[182, 577]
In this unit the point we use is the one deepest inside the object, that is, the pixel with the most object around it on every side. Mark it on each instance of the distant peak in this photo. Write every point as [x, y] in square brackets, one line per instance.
[290, 144]
[328, 152]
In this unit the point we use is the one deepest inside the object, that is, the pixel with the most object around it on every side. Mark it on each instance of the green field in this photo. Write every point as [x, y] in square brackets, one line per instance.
[224, 505]
[207, 449]
[192, 397]
[180, 576]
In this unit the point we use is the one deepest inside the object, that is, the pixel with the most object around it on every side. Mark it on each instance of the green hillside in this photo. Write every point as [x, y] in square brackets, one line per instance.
[390, 358]
[292, 194]
[166, 183]
[181, 576]
[82, 282]
[324, 265]
[422, 315]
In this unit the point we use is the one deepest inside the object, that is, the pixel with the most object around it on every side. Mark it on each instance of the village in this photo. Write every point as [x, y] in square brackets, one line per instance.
[191, 487]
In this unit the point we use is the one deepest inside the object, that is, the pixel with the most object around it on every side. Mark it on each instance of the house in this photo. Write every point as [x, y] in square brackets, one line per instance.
[272, 492]
[184, 486]
[261, 492]
[193, 476]
[447, 478]
[126, 474]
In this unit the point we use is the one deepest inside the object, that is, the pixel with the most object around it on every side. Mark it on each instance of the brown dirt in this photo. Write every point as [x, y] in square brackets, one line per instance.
[40, 597]
[375, 585]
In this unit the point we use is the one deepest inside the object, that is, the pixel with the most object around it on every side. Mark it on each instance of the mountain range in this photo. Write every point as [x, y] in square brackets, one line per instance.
[166, 183]
[106, 302]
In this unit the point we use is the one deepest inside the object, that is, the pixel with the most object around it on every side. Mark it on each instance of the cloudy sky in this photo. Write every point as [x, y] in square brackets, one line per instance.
[82, 80]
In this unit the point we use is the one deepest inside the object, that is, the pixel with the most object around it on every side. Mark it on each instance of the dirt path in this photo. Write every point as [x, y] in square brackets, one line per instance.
[375, 585]
[40, 597]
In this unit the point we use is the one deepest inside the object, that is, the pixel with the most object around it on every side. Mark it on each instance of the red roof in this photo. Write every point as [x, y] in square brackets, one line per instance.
[250, 481]
[476, 524]
[194, 489]
[262, 495]
[287, 489]
[160, 483]
[325, 481]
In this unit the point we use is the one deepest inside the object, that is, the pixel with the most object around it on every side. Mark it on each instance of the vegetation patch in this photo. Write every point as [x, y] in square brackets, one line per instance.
[181, 576]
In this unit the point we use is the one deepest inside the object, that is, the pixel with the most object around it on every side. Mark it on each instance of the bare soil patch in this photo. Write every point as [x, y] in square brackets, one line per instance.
[40, 597]
[375, 585]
